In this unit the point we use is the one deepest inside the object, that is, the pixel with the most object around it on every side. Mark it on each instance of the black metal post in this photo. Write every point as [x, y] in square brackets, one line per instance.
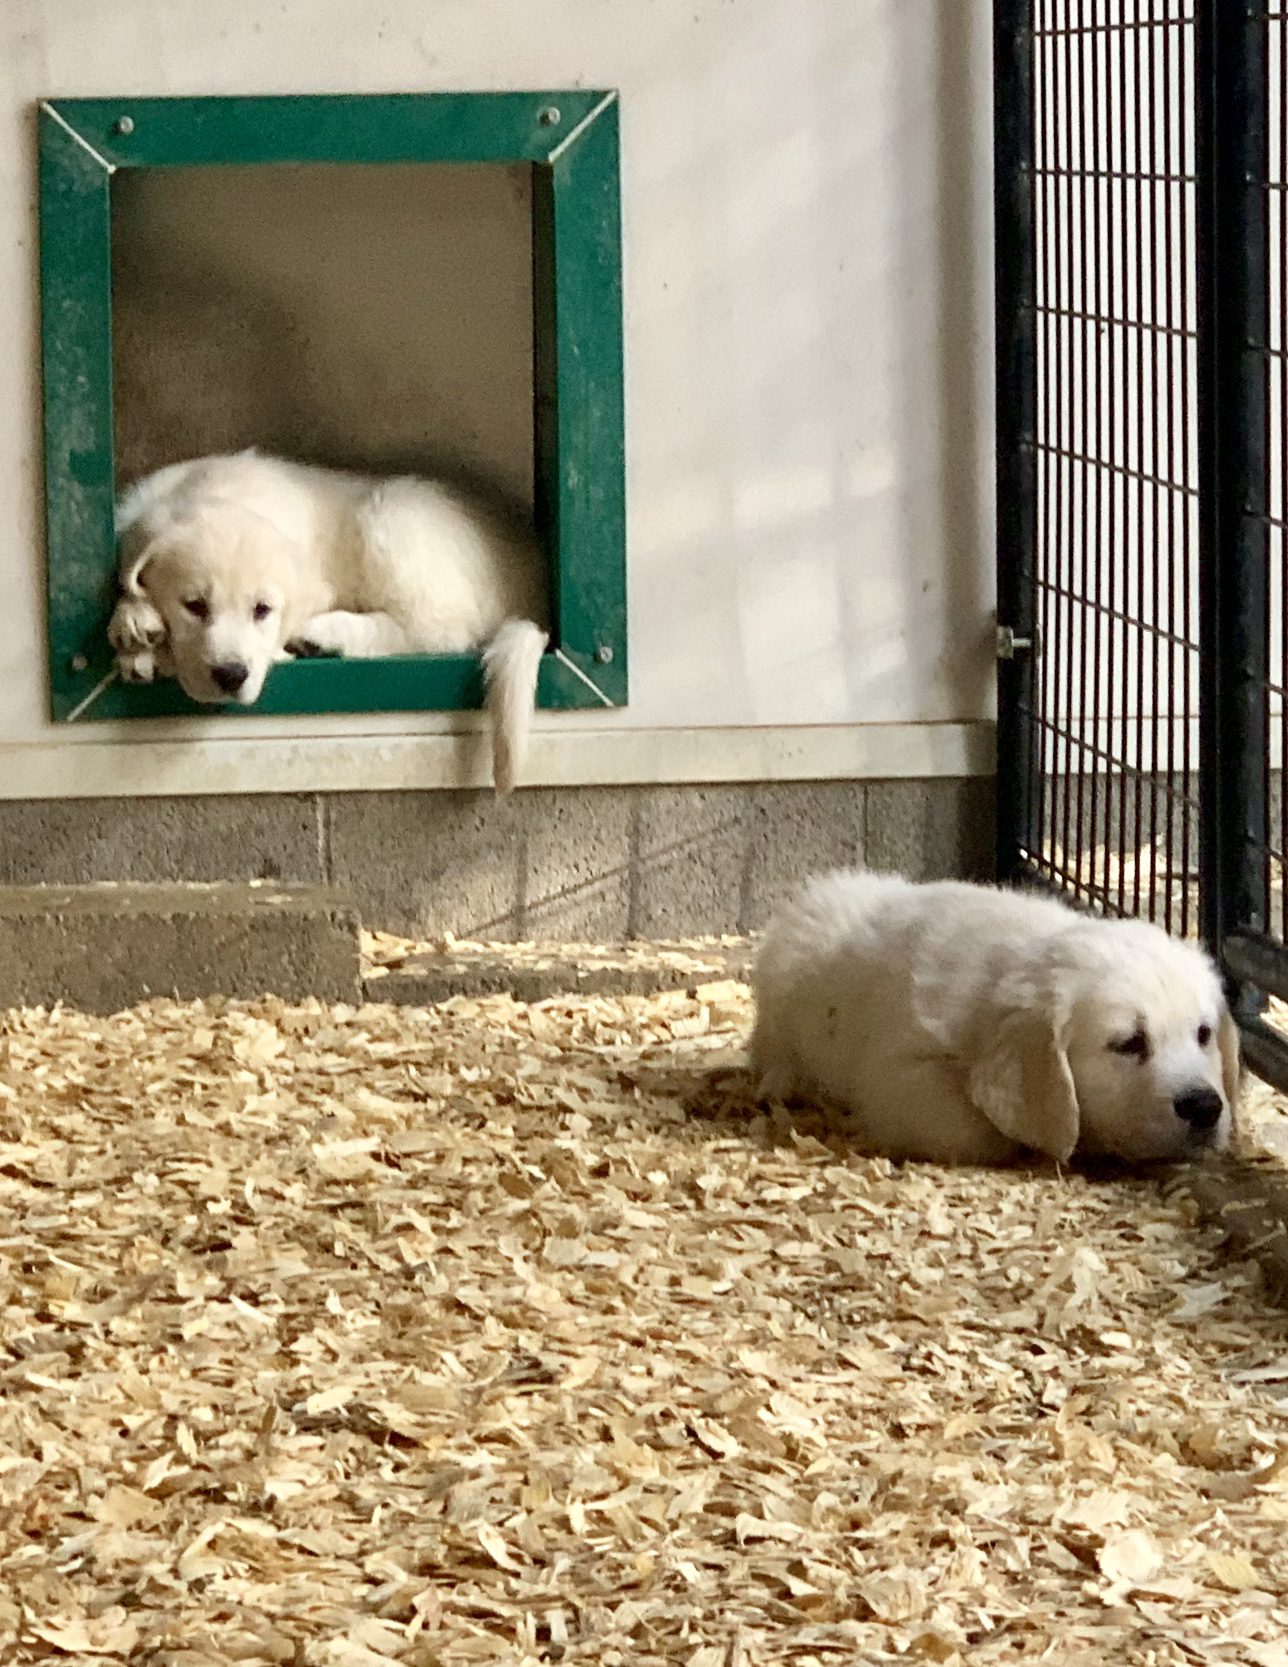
[1014, 185]
[1232, 92]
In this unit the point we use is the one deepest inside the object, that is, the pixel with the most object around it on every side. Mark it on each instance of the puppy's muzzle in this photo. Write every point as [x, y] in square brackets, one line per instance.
[229, 676]
[1200, 1110]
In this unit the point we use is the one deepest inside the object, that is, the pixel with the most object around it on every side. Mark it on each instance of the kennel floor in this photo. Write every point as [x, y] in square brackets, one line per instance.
[492, 1332]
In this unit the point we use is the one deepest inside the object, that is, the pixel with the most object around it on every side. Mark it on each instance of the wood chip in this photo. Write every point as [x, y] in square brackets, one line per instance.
[338, 1337]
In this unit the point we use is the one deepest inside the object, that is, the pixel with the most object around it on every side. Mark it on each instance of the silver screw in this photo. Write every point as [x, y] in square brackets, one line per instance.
[549, 116]
[1010, 645]
[79, 663]
[124, 125]
[604, 653]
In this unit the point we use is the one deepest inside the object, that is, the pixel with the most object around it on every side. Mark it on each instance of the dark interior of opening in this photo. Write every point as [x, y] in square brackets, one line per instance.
[368, 316]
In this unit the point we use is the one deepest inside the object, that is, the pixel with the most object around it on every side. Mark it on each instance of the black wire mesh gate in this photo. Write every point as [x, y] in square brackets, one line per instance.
[1142, 245]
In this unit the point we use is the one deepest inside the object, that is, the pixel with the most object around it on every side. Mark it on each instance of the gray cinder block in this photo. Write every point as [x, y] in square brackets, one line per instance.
[70, 842]
[931, 829]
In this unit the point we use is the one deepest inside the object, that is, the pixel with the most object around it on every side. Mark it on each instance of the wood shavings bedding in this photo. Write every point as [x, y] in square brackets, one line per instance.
[1264, 1111]
[339, 1338]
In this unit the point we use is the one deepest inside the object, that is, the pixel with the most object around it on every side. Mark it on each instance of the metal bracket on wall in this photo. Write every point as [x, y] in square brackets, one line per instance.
[1010, 645]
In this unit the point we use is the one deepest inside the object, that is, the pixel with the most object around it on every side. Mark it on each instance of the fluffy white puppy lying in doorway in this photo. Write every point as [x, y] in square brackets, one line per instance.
[229, 564]
[961, 1023]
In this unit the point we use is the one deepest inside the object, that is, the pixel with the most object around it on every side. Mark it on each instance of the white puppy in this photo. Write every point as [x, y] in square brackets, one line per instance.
[962, 1023]
[229, 564]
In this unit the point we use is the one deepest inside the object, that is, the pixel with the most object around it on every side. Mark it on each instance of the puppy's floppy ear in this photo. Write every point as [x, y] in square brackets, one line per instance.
[134, 559]
[1020, 1077]
[1228, 1042]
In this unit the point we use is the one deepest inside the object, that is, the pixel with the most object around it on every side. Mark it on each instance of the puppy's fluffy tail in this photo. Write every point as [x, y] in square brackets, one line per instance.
[511, 662]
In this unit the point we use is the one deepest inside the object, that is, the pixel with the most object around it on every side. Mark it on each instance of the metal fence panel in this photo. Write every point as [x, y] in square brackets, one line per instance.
[1240, 104]
[1107, 723]
[1142, 251]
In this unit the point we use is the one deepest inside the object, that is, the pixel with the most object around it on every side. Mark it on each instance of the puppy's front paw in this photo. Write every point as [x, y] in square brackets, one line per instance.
[306, 648]
[138, 634]
[135, 625]
[145, 665]
[137, 668]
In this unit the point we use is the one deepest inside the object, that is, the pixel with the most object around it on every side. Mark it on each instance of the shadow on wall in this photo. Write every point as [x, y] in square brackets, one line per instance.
[197, 368]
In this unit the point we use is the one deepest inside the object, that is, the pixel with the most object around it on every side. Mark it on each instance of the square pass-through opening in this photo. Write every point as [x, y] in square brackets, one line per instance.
[373, 318]
[421, 283]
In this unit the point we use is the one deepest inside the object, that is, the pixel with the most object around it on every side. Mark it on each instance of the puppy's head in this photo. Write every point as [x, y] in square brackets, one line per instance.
[1153, 1051]
[221, 579]
[1120, 1044]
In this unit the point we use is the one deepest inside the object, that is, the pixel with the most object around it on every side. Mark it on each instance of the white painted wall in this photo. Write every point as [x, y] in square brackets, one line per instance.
[807, 200]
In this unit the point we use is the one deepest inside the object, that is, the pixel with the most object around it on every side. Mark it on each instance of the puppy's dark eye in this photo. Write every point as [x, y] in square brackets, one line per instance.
[1135, 1046]
[1204, 1035]
[198, 607]
[262, 610]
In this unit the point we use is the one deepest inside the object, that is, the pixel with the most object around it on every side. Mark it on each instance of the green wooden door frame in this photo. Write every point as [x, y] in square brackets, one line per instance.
[570, 138]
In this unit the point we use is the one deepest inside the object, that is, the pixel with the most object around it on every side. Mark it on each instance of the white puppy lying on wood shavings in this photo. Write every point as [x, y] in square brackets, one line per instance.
[965, 1024]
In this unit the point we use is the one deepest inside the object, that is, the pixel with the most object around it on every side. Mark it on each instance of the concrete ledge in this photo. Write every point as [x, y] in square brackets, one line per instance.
[104, 947]
[529, 975]
[177, 756]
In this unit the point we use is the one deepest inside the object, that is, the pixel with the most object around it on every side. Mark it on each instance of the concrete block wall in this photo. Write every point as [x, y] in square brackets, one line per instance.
[590, 863]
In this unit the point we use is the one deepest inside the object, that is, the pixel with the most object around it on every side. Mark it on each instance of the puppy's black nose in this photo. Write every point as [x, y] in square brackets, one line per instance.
[1200, 1109]
[229, 676]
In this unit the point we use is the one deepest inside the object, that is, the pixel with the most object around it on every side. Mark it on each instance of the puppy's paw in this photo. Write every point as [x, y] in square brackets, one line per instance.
[341, 634]
[140, 667]
[307, 648]
[145, 665]
[135, 625]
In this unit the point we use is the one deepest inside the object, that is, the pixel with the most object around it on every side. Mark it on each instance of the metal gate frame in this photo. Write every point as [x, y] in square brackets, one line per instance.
[1242, 489]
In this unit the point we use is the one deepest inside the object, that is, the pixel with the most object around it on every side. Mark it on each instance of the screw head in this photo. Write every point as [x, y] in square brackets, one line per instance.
[124, 125]
[604, 653]
[549, 116]
[78, 662]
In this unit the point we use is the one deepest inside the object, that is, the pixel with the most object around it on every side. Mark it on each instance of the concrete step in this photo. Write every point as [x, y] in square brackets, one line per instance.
[104, 947]
[534, 972]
